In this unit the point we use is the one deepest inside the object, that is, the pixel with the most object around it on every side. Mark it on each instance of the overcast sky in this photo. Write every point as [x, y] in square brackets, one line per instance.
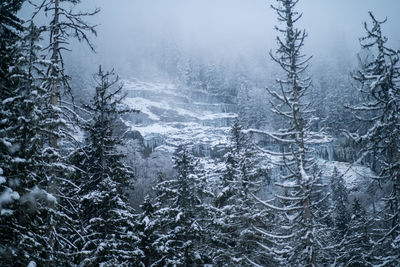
[138, 30]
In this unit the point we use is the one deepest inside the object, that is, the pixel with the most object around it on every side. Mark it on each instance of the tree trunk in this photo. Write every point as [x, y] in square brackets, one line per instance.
[55, 43]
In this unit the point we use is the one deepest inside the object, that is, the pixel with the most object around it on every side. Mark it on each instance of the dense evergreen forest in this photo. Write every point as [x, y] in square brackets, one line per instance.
[223, 165]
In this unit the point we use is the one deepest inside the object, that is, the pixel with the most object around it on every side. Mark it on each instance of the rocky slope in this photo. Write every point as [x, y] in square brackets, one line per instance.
[171, 116]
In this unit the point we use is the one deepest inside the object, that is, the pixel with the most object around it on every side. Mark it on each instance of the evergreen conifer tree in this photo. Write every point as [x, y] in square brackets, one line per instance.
[237, 212]
[55, 172]
[11, 31]
[355, 247]
[297, 240]
[29, 163]
[107, 217]
[379, 79]
[147, 225]
[181, 214]
[339, 196]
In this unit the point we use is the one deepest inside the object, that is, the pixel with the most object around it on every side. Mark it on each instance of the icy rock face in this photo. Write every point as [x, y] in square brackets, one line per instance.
[341, 149]
[171, 116]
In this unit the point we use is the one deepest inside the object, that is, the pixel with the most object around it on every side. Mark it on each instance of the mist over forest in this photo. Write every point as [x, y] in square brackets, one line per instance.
[199, 133]
[136, 36]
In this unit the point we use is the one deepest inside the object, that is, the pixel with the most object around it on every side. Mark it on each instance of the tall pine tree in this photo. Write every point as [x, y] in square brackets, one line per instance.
[181, 213]
[11, 29]
[64, 24]
[147, 228]
[107, 217]
[355, 247]
[297, 238]
[379, 79]
[339, 197]
[29, 163]
[236, 211]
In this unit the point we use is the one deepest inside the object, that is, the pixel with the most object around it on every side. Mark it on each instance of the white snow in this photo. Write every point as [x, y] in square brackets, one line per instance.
[8, 196]
[18, 160]
[165, 148]
[169, 117]
[143, 105]
[154, 129]
[146, 221]
[353, 175]
[36, 193]
[50, 198]
[178, 217]
[288, 184]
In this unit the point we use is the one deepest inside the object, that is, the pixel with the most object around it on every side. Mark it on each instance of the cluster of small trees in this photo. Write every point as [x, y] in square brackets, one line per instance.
[65, 201]
[189, 222]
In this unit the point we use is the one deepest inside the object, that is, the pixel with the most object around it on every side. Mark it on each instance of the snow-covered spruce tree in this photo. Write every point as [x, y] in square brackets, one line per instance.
[147, 226]
[339, 215]
[180, 215]
[33, 122]
[379, 79]
[14, 167]
[236, 212]
[30, 163]
[298, 237]
[18, 140]
[65, 23]
[339, 204]
[108, 221]
[355, 246]
[11, 28]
